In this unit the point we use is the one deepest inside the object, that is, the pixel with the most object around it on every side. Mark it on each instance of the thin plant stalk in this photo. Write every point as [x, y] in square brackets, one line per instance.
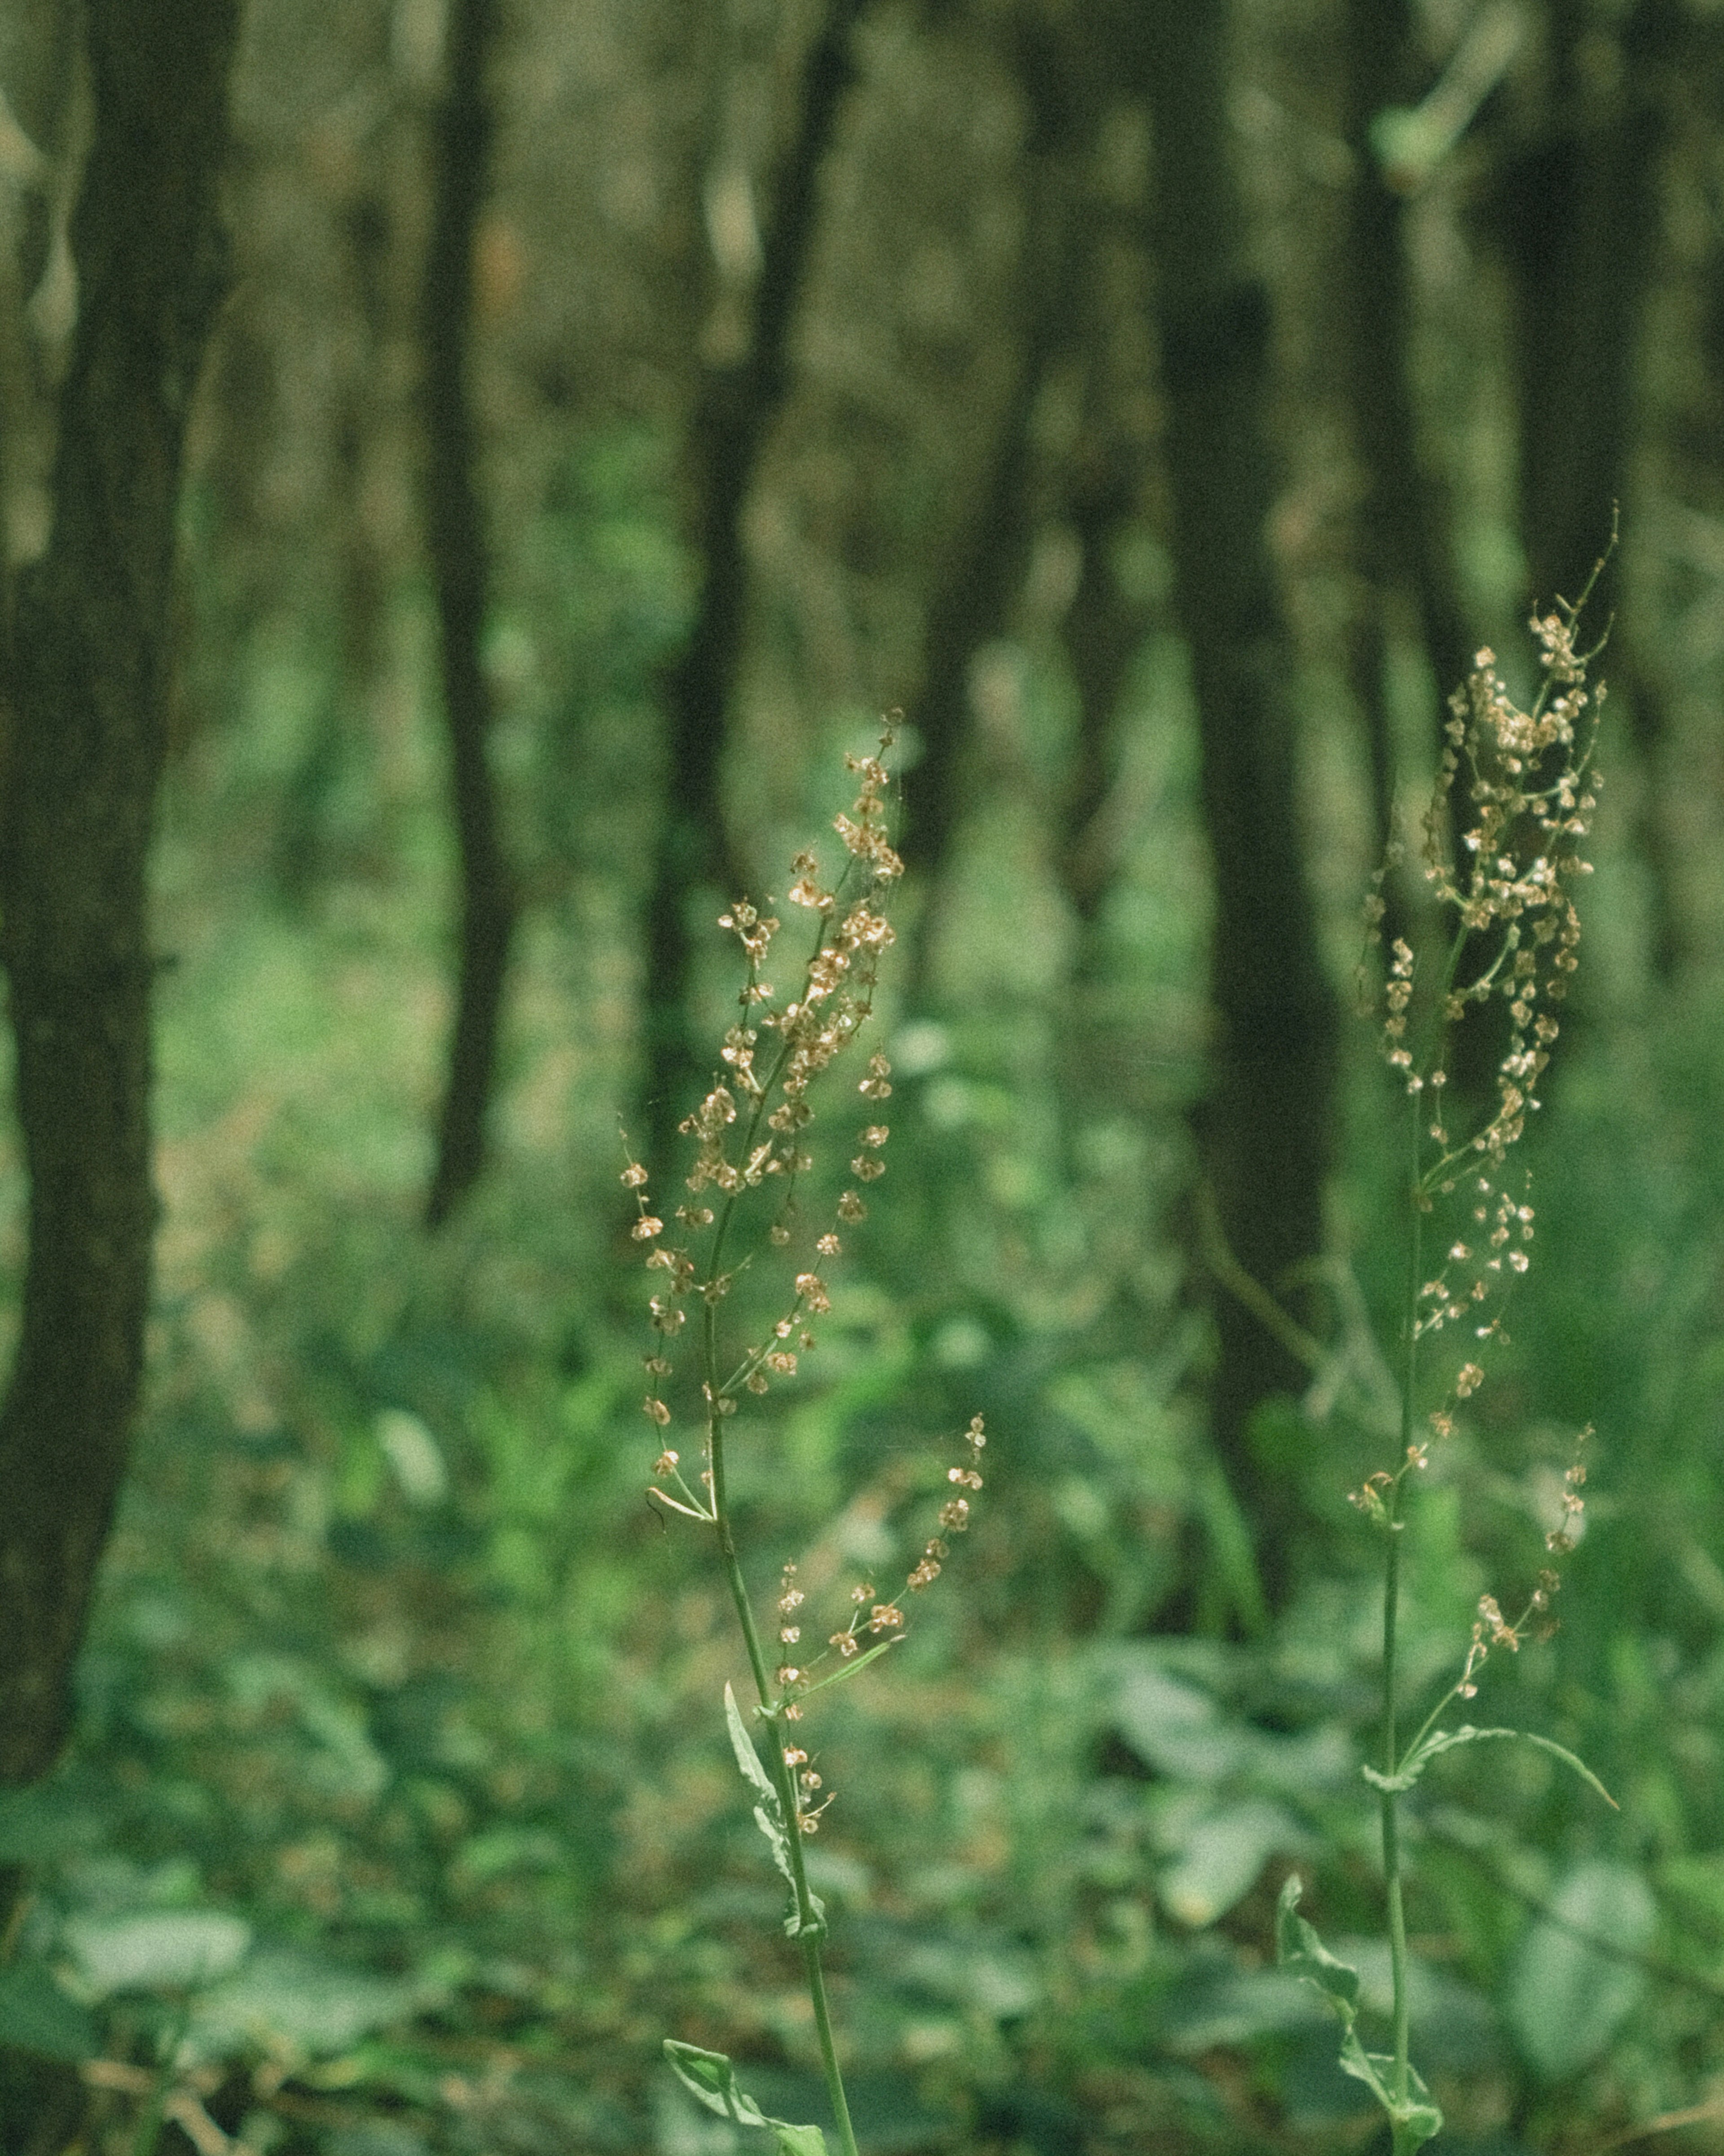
[749, 1131]
[810, 1928]
[1390, 1797]
[1507, 888]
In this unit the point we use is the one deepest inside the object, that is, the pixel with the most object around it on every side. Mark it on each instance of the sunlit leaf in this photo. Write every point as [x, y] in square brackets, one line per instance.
[1566, 1999]
[157, 1950]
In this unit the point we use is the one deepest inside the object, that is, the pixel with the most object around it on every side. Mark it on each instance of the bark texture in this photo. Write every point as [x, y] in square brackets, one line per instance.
[1404, 550]
[982, 576]
[88, 676]
[1264, 1132]
[460, 572]
[733, 415]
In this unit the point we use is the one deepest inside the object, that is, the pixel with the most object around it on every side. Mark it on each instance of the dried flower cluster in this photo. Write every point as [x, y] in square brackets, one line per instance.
[1515, 932]
[1515, 929]
[751, 1137]
[749, 1132]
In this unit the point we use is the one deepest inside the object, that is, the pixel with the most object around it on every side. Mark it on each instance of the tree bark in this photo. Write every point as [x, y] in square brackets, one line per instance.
[733, 415]
[983, 574]
[1264, 1132]
[88, 673]
[460, 572]
[1403, 545]
[1577, 217]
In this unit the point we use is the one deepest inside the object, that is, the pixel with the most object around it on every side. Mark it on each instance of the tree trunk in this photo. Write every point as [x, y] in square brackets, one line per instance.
[1264, 1132]
[89, 673]
[1403, 546]
[1577, 215]
[735, 412]
[982, 577]
[460, 570]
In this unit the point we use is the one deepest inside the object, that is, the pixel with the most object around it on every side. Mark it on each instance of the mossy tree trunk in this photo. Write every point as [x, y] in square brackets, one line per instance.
[734, 413]
[460, 572]
[89, 663]
[1263, 1129]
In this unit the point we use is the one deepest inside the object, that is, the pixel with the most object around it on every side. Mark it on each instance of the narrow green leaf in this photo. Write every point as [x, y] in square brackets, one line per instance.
[747, 1758]
[1446, 1740]
[710, 2076]
[1302, 1952]
[768, 1813]
[852, 1669]
[1362, 2065]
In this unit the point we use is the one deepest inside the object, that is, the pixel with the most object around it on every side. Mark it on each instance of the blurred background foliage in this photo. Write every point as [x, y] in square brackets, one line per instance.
[399, 1817]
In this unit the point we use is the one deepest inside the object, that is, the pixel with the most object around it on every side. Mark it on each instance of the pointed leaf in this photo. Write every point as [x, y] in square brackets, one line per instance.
[1363, 2064]
[849, 1670]
[710, 2076]
[1302, 1952]
[798, 2140]
[1446, 1740]
[747, 1758]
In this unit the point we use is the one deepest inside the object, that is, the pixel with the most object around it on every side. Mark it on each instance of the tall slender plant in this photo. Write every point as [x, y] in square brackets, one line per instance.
[1510, 937]
[750, 1137]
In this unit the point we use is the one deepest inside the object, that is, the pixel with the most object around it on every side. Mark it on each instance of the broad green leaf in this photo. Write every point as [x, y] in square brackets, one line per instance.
[1566, 1999]
[1302, 1952]
[36, 2015]
[1363, 2064]
[1446, 1740]
[1221, 1857]
[159, 1950]
[286, 2000]
[1413, 2122]
[710, 2076]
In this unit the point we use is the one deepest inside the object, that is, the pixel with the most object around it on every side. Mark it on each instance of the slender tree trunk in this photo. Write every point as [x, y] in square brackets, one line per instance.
[732, 418]
[460, 572]
[1577, 215]
[89, 675]
[1264, 1132]
[982, 577]
[1403, 545]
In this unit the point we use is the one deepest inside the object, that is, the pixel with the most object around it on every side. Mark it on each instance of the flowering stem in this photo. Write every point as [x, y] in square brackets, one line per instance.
[1390, 1799]
[810, 1925]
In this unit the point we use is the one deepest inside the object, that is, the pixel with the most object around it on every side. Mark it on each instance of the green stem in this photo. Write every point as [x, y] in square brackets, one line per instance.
[1391, 1618]
[810, 1928]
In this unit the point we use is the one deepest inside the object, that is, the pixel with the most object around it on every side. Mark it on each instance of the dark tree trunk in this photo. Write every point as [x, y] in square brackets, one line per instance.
[982, 577]
[1403, 546]
[732, 418]
[1577, 217]
[88, 678]
[1264, 1132]
[460, 570]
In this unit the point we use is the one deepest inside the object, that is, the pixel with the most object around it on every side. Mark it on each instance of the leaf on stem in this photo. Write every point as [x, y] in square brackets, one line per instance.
[1302, 1952]
[769, 1818]
[852, 1669]
[1446, 1740]
[709, 2076]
